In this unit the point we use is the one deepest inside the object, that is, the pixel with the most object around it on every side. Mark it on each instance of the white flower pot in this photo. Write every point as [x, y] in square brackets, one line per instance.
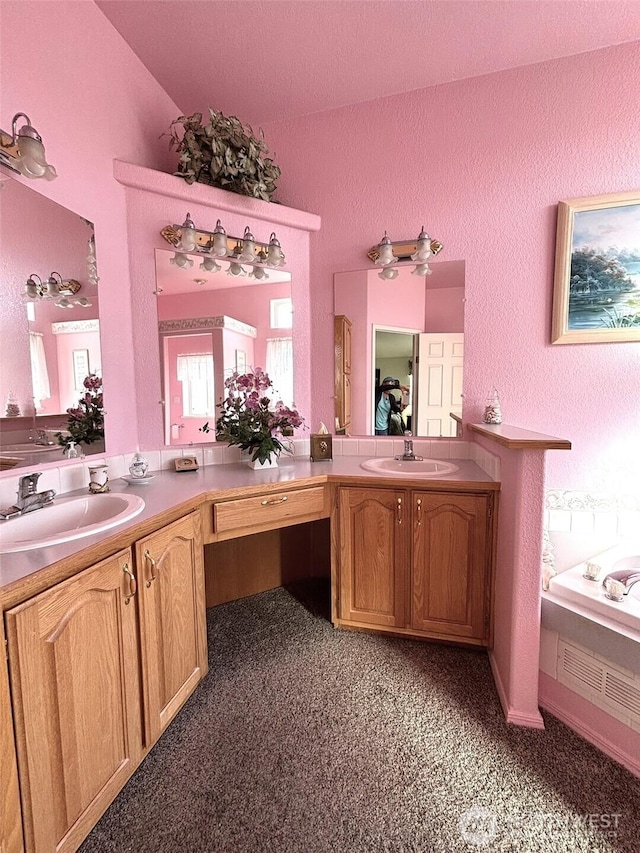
[271, 462]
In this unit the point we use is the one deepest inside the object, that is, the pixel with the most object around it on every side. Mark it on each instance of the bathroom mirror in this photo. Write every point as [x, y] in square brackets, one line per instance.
[47, 346]
[212, 323]
[410, 328]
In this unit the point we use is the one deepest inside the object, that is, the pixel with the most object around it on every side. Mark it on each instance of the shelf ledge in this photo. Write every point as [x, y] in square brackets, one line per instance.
[516, 438]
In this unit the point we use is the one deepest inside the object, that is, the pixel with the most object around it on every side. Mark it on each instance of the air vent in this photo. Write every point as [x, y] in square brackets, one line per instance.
[600, 682]
[623, 693]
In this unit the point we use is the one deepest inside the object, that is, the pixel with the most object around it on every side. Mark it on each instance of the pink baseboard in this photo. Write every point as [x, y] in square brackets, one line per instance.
[529, 719]
[620, 743]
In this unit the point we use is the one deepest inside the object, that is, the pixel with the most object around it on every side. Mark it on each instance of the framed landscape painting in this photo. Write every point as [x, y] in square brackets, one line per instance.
[596, 291]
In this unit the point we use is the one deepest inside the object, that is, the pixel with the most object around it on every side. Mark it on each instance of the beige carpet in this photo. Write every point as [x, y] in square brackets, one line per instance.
[304, 739]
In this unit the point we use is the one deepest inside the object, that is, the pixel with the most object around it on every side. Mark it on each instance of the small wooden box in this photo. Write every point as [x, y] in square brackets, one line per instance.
[321, 447]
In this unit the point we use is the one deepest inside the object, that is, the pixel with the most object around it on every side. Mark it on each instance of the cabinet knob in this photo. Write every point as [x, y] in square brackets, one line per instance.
[399, 510]
[152, 564]
[419, 511]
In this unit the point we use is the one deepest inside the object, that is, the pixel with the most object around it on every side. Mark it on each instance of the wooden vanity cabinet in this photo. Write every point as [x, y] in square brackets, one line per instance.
[95, 661]
[76, 700]
[172, 620]
[416, 562]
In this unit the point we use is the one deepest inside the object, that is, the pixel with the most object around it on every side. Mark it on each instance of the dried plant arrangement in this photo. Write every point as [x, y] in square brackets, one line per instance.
[225, 153]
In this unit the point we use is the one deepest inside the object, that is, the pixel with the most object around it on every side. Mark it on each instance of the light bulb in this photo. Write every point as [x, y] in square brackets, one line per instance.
[235, 269]
[259, 273]
[385, 252]
[189, 237]
[181, 260]
[389, 273]
[219, 248]
[421, 269]
[248, 253]
[275, 256]
[210, 265]
[423, 246]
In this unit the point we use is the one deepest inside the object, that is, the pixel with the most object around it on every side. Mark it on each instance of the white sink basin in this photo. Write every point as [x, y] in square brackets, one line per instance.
[67, 519]
[31, 447]
[413, 468]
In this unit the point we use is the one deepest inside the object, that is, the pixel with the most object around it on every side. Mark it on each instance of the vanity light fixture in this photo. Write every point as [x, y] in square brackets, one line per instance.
[419, 251]
[55, 287]
[23, 152]
[186, 238]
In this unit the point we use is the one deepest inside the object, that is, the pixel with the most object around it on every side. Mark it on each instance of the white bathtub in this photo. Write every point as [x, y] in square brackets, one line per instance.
[587, 598]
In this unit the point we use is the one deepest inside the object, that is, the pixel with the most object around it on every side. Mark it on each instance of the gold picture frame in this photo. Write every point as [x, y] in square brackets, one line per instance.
[596, 291]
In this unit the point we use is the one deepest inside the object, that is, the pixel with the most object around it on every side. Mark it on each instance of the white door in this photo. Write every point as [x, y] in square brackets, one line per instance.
[439, 382]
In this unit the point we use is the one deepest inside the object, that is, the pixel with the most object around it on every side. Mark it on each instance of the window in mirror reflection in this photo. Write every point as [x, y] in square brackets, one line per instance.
[195, 372]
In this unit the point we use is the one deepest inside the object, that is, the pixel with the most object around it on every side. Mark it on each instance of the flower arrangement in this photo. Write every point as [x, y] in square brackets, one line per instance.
[86, 420]
[248, 418]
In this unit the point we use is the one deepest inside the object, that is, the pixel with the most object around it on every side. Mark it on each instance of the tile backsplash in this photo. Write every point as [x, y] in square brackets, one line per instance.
[75, 475]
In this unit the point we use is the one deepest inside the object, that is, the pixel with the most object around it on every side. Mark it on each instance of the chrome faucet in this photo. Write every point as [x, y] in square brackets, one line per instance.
[409, 455]
[618, 584]
[42, 438]
[28, 498]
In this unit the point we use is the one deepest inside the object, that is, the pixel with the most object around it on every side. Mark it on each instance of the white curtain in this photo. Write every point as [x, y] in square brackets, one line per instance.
[279, 366]
[39, 372]
[195, 371]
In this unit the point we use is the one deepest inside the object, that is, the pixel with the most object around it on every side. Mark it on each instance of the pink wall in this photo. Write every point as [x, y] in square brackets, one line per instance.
[92, 100]
[444, 309]
[500, 152]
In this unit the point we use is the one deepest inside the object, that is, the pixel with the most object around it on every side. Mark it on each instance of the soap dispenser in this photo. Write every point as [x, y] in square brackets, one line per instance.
[139, 466]
[72, 451]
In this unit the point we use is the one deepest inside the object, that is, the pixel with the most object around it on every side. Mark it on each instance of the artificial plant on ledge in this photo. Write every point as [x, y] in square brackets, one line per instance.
[249, 420]
[225, 153]
[86, 420]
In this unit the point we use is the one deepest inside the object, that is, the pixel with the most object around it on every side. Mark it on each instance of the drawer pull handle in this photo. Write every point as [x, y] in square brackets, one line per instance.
[132, 582]
[274, 501]
[419, 509]
[152, 563]
[399, 509]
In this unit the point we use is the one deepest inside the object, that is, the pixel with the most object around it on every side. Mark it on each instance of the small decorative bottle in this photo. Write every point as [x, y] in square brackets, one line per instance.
[492, 411]
[12, 409]
[72, 451]
[139, 466]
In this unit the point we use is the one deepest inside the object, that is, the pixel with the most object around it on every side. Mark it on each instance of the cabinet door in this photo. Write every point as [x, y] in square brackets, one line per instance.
[172, 620]
[342, 361]
[73, 654]
[373, 556]
[450, 589]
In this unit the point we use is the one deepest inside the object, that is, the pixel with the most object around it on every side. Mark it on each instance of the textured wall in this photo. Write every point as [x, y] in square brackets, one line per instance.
[482, 163]
[92, 100]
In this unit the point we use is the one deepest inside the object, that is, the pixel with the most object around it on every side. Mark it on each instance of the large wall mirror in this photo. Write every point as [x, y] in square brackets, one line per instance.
[212, 323]
[409, 329]
[48, 343]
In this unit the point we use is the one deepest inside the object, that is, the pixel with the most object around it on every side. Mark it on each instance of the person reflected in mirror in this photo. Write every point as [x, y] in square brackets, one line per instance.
[388, 411]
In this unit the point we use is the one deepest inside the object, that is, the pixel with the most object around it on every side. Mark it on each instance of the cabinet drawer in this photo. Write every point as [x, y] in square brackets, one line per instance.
[266, 509]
